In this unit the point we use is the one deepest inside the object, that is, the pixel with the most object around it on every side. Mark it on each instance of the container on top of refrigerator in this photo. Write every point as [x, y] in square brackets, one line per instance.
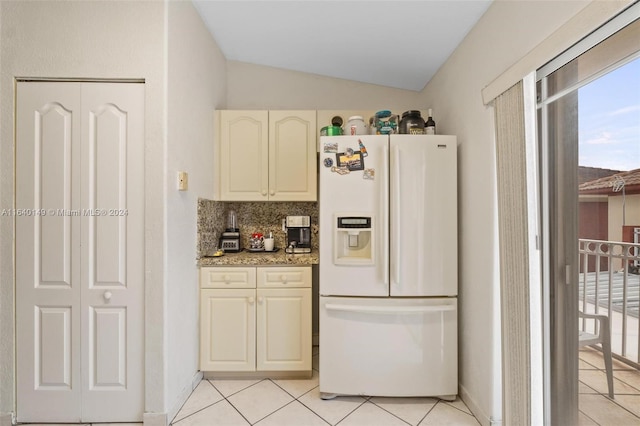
[331, 131]
[430, 124]
[386, 122]
[355, 126]
[411, 123]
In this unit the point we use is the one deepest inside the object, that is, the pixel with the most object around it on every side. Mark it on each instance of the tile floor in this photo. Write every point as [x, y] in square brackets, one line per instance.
[595, 406]
[297, 402]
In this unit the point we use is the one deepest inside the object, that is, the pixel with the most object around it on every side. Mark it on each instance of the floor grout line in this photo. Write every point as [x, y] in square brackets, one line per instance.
[351, 412]
[587, 416]
[367, 399]
[603, 372]
[384, 409]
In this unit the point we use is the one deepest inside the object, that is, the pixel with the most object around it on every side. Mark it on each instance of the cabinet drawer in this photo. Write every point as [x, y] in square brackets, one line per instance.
[228, 277]
[284, 277]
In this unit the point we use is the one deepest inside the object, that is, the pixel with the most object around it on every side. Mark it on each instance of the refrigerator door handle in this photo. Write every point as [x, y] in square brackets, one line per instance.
[384, 209]
[394, 310]
[396, 206]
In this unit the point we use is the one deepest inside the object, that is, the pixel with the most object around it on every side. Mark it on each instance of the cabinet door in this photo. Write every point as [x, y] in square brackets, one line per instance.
[292, 156]
[227, 330]
[284, 329]
[244, 159]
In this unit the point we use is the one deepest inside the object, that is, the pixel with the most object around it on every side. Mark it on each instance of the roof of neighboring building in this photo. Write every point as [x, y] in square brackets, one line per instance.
[605, 185]
[587, 174]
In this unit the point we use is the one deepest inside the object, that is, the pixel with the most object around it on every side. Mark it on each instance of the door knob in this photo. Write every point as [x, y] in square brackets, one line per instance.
[107, 295]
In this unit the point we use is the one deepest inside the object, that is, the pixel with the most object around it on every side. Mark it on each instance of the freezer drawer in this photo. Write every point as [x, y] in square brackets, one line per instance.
[388, 347]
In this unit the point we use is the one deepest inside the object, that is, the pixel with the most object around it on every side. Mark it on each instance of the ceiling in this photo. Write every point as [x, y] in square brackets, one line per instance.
[394, 43]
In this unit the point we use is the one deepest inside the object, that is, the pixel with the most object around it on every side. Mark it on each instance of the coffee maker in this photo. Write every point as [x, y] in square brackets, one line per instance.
[230, 239]
[298, 229]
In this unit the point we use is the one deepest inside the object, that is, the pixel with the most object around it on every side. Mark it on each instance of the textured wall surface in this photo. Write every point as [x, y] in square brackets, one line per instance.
[196, 86]
[78, 39]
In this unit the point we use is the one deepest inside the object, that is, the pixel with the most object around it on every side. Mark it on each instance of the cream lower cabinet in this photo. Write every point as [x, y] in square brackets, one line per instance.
[255, 319]
[228, 330]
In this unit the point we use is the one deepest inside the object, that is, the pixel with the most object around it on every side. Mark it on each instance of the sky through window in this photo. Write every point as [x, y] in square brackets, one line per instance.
[609, 120]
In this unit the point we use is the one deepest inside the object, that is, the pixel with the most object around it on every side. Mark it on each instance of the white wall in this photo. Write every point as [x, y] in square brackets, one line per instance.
[630, 212]
[505, 34]
[260, 87]
[196, 87]
[167, 45]
[87, 39]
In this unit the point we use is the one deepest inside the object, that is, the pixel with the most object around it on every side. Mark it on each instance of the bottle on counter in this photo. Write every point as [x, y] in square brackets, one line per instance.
[430, 124]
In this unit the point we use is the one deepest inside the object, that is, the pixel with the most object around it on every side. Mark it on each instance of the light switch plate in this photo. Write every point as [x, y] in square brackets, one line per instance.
[183, 181]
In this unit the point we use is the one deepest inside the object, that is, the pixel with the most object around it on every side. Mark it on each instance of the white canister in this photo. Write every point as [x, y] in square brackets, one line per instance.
[355, 126]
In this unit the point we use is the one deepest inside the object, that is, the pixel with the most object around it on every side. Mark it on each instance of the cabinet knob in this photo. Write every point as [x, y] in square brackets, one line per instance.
[283, 278]
[272, 192]
[260, 299]
[264, 192]
[251, 300]
[227, 278]
[107, 295]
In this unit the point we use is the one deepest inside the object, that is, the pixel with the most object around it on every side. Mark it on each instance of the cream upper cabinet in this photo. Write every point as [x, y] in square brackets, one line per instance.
[292, 156]
[267, 155]
[244, 155]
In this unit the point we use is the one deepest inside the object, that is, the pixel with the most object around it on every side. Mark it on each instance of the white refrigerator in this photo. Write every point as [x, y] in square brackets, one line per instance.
[388, 266]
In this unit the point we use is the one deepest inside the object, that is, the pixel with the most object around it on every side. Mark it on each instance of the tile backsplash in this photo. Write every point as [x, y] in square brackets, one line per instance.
[252, 217]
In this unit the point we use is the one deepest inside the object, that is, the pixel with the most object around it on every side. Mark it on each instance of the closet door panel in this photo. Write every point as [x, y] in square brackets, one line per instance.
[80, 252]
[47, 240]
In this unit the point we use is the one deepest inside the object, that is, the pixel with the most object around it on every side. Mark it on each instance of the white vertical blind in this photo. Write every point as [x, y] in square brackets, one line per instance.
[514, 254]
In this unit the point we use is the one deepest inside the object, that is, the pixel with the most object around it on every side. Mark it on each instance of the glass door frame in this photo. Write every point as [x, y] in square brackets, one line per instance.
[558, 171]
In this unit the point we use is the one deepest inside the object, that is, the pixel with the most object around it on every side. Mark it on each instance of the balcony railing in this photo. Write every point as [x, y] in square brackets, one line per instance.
[609, 284]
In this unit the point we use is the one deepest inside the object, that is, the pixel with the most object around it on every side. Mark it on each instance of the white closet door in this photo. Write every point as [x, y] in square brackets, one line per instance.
[112, 254]
[80, 252]
[47, 277]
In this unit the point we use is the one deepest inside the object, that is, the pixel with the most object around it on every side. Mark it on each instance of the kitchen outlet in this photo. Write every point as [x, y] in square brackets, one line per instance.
[183, 181]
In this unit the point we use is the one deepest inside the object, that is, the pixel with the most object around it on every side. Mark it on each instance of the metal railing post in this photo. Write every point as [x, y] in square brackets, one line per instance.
[618, 299]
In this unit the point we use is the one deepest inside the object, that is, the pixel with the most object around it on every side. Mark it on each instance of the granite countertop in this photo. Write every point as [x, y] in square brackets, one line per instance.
[245, 258]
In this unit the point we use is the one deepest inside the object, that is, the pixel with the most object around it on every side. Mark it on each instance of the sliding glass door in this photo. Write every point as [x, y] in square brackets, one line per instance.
[589, 139]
